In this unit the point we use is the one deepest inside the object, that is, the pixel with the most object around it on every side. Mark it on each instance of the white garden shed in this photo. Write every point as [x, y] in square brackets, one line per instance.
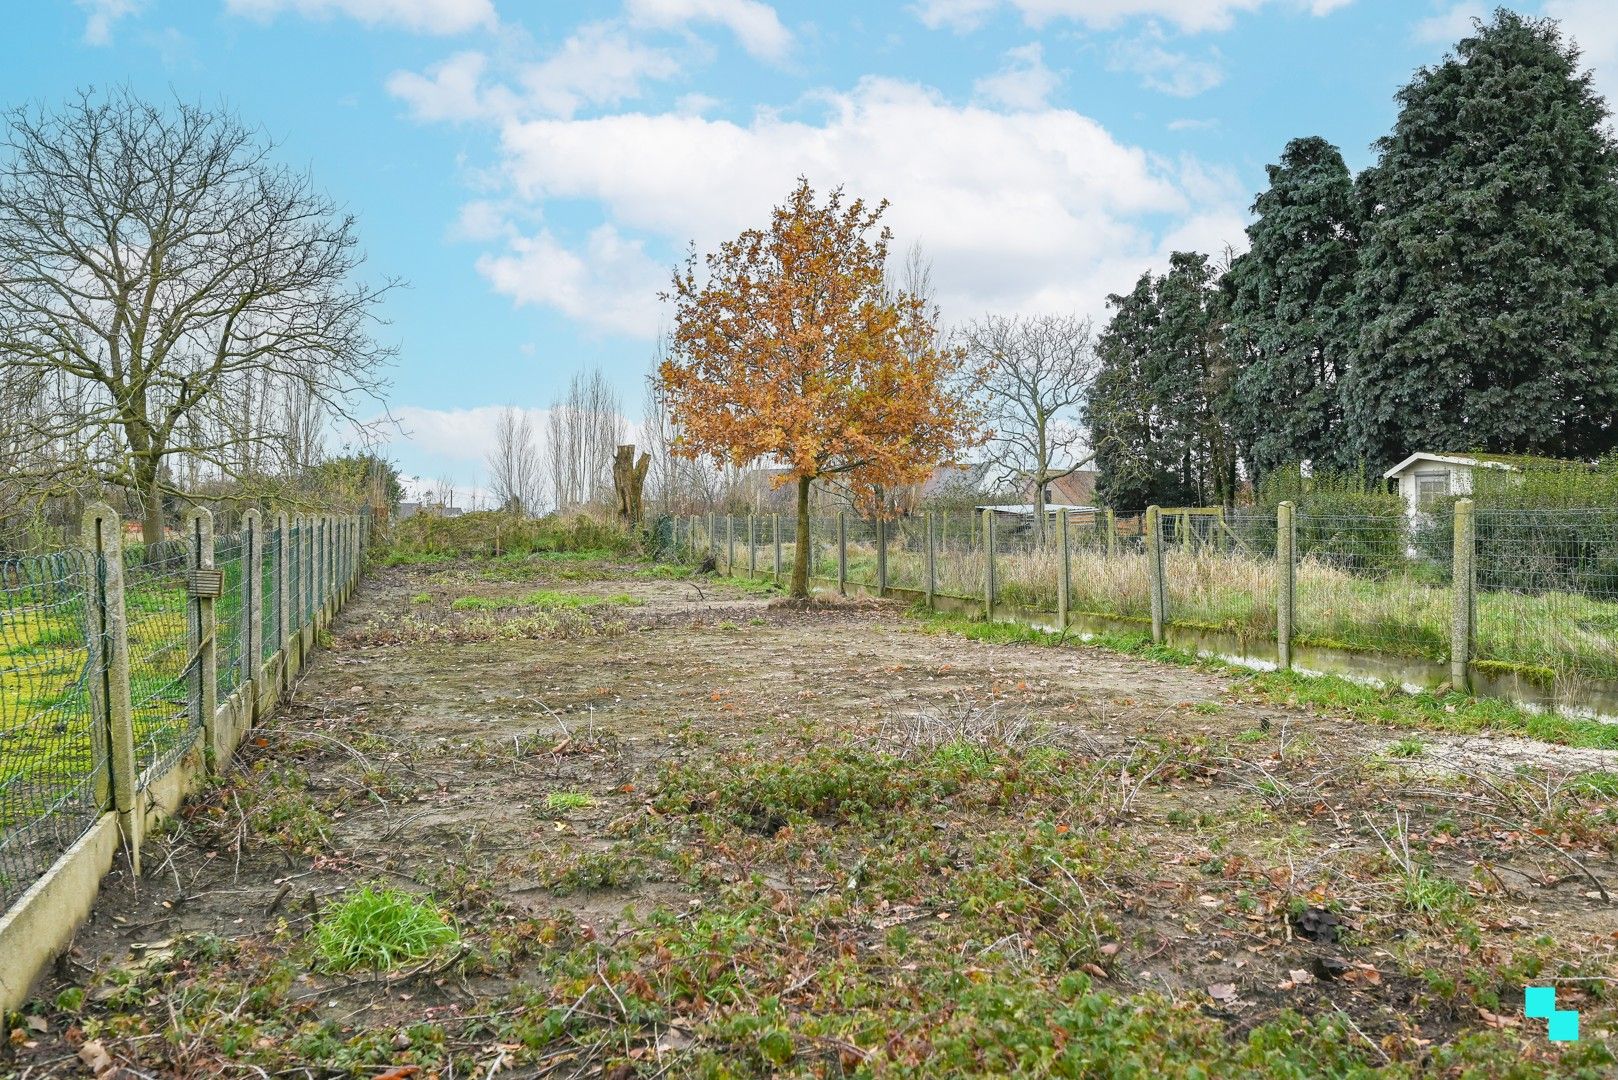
[1424, 478]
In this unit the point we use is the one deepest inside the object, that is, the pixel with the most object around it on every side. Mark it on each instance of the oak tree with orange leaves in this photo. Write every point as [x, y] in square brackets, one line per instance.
[793, 348]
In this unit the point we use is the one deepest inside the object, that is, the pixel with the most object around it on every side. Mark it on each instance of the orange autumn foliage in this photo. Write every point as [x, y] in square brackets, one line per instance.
[793, 349]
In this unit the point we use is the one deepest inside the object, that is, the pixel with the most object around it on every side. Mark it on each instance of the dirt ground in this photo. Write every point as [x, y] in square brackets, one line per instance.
[1245, 865]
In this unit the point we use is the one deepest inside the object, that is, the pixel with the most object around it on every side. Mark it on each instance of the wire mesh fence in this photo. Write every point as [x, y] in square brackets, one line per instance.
[51, 763]
[230, 612]
[1547, 590]
[1372, 583]
[164, 687]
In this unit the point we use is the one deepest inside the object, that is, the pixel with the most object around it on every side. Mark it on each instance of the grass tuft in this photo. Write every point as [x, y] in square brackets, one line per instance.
[380, 928]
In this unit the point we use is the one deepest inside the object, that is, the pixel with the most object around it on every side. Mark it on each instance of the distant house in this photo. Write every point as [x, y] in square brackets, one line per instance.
[1423, 479]
[1077, 488]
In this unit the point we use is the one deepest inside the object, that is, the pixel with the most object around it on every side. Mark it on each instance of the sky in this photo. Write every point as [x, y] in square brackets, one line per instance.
[533, 170]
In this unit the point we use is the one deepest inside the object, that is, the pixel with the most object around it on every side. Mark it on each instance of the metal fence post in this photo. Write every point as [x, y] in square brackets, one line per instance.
[1464, 586]
[1064, 577]
[881, 555]
[932, 562]
[752, 545]
[1154, 569]
[775, 533]
[252, 600]
[988, 565]
[1112, 534]
[112, 734]
[842, 553]
[203, 627]
[1286, 576]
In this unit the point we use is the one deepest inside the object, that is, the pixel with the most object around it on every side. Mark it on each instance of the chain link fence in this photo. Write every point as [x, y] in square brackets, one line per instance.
[52, 766]
[61, 705]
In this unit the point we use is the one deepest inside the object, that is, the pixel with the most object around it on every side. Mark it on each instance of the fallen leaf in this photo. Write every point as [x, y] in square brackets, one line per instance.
[1225, 992]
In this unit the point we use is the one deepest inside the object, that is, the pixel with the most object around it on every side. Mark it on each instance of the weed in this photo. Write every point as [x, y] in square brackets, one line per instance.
[380, 928]
[563, 801]
[1410, 746]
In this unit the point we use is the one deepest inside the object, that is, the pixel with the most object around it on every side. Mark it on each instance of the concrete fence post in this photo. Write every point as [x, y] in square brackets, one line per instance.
[881, 555]
[283, 594]
[730, 545]
[988, 565]
[1286, 577]
[842, 553]
[775, 534]
[203, 627]
[252, 599]
[1463, 591]
[306, 571]
[752, 545]
[1064, 574]
[1154, 569]
[112, 732]
[712, 537]
[1112, 534]
[932, 562]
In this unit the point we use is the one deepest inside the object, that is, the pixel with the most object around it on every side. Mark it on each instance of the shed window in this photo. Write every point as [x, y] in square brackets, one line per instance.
[1431, 486]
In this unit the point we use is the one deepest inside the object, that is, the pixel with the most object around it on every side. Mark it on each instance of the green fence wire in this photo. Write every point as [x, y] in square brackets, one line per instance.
[50, 764]
[163, 670]
[230, 612]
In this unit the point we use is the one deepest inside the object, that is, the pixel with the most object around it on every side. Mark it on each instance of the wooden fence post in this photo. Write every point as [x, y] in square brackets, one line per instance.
[1286, 576]
[932, 562]
[1463, 590]
[112, 733]
[1154, 569]
[881, 555]
[842, 553]
[204, 630]
[1064, 577]
[988, 565]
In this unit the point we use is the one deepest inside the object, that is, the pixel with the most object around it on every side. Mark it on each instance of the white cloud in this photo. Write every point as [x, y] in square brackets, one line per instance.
[597, 65]
[102, 15]
[1019, 210]
[1188, 15]
[1593, 24]
[755, 24]
[610, 285]
[1024, 83]
[1186, 123]
[1449, 26]
[1160, 69]
[422, 16]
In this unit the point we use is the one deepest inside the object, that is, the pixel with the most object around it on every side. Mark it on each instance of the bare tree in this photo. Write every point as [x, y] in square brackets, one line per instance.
[1039, 370]
[160, 263]
[582, 432]
[514, 467]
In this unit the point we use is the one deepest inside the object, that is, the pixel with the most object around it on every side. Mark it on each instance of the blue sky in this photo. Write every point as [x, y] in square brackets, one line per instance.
[534, 169]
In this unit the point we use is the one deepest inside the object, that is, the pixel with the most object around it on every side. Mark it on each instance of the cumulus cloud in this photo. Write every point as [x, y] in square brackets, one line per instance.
[102, 15]
[755, 24]
[1024, 83]
[421, 16]
[597, 65]
[1188, 15]
[1019, 210]
[610, 284]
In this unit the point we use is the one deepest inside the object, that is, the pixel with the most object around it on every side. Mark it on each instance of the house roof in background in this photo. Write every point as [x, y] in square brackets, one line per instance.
[1475, 461]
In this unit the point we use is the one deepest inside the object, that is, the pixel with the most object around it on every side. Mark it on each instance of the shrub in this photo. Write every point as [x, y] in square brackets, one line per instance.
[499, 532]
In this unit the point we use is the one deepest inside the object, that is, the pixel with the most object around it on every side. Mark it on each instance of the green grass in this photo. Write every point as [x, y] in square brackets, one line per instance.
[544, 599]
[379, 929]
[1387, 706]
[563, 801]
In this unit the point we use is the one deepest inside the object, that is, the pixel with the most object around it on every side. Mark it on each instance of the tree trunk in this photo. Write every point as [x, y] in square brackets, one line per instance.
[803, 548]
[151, 526]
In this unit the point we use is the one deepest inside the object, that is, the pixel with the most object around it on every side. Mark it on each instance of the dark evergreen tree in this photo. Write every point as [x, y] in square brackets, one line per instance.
[1289, 312]
[1119, 411]
[1485, 297]
[1190, 375]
